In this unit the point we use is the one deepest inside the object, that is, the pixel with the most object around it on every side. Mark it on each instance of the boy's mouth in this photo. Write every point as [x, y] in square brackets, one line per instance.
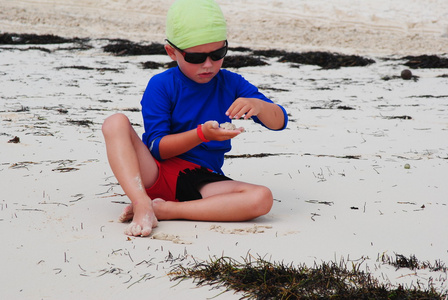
[205, 74]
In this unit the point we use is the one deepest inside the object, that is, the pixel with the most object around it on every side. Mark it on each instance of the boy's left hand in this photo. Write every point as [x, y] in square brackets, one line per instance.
[246, 107]
[213, 132]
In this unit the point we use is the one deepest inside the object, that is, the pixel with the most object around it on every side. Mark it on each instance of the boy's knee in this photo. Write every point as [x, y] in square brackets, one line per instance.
[263, 201]
[114, 122]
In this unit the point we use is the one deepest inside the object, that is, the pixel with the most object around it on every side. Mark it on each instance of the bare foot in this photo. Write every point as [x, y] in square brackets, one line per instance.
[143, 221]
[128, 211]
[143, 226]
[127, 214]
[158, 205]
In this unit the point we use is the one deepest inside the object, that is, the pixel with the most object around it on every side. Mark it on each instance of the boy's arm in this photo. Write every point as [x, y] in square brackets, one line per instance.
[270, 114]
[176, 144]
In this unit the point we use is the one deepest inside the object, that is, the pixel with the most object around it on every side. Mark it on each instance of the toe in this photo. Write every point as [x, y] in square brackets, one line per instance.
[127, 214]
[146, 231]
[133, 230]
[136, 230]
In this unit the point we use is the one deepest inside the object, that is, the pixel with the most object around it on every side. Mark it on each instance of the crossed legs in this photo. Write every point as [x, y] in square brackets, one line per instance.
[135, 169]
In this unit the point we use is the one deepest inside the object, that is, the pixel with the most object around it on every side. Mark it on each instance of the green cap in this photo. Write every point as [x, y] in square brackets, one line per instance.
[191, 23]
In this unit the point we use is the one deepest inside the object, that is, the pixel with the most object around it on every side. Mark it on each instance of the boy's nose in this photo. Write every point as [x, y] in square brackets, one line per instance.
[208, 62]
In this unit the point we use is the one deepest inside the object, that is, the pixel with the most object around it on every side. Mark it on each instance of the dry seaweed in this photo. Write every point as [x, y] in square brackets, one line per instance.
[85, 123]
[332, 105]
[23, 39]
[335, 156]
[345, 107]
[34, 48]
[65, 169]
[22, 164]
[326, 60]
[240, 61]
[329, 203]
[156, 65]
[411, 262]
[270, 88]
[393, 77]
[426, 62]
[240, 49]
[257, 155]
[270, 53]
[429, 96]
[122, 47]
[260, 279]
[404, 117]
[85, 68]
[152, 65]
[126, 48]
[341, 107]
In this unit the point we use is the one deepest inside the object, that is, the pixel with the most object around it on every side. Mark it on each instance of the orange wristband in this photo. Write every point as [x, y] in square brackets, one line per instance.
[201, 134]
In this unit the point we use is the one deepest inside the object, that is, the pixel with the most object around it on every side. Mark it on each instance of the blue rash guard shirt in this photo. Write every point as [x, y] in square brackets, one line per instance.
[173, 103]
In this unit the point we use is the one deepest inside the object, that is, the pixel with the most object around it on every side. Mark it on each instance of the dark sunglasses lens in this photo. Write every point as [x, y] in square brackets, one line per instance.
[218, 54]
[199, 58]
[195, 58]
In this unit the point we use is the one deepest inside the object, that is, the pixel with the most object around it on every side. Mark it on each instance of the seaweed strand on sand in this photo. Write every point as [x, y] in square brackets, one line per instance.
[260, 279]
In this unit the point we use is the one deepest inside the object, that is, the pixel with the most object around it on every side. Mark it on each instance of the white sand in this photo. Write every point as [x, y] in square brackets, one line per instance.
[357, 27]
[59, 201]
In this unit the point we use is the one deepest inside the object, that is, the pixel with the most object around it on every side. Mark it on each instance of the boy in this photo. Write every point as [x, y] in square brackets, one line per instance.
[174, 171]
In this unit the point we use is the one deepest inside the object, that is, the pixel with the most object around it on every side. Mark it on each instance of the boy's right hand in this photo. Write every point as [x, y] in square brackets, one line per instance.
[213, 132]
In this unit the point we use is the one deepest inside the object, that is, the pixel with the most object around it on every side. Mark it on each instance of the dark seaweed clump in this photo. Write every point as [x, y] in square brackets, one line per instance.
[126, 48]
[152, 65]
[240, 61]
[264, 280]
[270, 53]
[323, 59]
[85, 123]
[411, 262]
[24, 39]
[156, 65]
[332, 105]
[326, 60]
[426, 62]
[240, 49]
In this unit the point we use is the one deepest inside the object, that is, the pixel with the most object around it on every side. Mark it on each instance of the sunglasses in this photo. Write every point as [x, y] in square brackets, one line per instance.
[199, 58]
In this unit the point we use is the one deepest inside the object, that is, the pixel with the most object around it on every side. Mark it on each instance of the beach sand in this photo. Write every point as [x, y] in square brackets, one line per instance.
[360, 171]
[364, 27]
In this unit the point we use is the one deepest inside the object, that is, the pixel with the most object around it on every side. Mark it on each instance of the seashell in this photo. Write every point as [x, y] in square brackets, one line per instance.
[227, 126]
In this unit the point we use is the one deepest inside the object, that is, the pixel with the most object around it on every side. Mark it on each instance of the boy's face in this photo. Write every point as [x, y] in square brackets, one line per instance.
[202, 72]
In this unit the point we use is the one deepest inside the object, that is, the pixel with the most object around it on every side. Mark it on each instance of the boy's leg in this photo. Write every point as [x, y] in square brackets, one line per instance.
[222, 201]
[135, 168]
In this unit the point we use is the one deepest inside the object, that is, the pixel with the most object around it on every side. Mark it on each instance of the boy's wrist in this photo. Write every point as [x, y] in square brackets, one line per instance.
[201, 134]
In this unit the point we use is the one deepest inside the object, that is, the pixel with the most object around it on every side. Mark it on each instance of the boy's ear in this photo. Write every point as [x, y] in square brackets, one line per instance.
[170, 51]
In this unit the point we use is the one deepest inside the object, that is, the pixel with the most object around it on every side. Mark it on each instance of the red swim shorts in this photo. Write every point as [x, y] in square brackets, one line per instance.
[180, 180]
